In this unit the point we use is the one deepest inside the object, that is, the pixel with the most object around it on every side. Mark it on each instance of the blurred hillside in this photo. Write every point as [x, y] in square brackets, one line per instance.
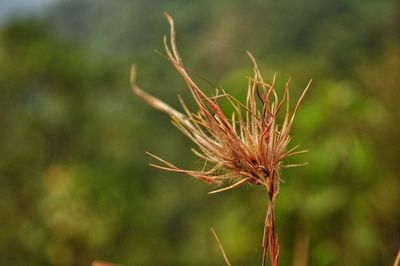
[74, 181]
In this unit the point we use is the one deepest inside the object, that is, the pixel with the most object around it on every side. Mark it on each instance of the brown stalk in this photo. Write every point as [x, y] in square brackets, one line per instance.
[301, 247]
[240, 149]
[221, 247]
[397, 260]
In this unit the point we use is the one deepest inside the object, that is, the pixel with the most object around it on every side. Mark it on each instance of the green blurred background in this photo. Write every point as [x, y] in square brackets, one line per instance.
[74, 181]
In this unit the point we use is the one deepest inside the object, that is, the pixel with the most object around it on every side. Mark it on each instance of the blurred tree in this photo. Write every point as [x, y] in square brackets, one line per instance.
[74, 184]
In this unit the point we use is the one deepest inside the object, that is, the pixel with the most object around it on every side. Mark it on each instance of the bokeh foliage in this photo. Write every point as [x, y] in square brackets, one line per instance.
[74, 180]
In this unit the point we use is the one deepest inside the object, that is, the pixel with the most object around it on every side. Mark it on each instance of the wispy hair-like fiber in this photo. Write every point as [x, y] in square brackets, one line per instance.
[249, 146]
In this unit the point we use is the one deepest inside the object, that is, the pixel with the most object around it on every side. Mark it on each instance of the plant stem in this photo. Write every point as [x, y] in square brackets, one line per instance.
[221, 247]
[269, 238]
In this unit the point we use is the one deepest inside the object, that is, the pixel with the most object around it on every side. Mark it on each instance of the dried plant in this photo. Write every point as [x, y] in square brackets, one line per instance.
[247, 147]
[397, 260]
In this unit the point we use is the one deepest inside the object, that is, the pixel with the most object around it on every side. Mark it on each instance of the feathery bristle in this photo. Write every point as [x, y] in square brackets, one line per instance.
[241, 148]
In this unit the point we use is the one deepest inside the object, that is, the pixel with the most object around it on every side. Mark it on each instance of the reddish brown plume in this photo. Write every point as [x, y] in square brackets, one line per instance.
[246, 147]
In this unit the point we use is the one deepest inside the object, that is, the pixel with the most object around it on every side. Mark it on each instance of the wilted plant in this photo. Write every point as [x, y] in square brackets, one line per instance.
[247, 147]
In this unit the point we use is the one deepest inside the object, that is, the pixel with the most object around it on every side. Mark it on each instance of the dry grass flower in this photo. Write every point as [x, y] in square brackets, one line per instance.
[247, 147]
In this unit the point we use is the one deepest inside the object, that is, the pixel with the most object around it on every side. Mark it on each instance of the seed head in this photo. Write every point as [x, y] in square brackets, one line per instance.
[246, 147]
